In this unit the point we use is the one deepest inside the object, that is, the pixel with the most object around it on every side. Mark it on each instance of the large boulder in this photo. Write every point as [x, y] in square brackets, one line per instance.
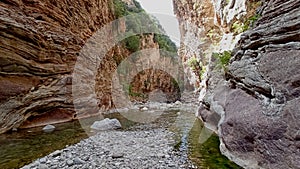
[106, 124]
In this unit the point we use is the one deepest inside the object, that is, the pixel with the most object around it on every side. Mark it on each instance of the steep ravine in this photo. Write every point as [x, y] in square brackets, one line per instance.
[253, 102]
[242, 56]
[40, 44]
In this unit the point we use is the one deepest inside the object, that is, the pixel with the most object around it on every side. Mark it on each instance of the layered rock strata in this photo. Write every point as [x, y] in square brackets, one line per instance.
[40, 44]
[253, 103]
[40, 41]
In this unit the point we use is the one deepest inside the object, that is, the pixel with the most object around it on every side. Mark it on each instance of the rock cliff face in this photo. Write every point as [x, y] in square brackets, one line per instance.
[40, 43]
[254, 101]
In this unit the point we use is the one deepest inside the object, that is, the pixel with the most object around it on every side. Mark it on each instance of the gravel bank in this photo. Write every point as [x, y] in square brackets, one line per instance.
[150, 148]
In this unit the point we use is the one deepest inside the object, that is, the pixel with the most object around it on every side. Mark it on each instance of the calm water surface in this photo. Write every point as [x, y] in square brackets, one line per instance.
[24, 146]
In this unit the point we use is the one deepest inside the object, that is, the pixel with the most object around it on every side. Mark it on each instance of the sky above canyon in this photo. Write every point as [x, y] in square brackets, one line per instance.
[163, 11]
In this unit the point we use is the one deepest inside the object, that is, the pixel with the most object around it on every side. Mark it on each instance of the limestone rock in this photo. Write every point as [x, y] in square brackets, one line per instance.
[145, 109]
[258, 97]
[106, 124]
[48, 128]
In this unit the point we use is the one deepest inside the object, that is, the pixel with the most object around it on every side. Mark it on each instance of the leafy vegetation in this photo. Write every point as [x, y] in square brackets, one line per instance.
[193, 63]
[202, 72]
[121, 9]
[253, 19]
[214, 36]
[223, 59]
[165, 43]
[132, 43]
[197, 67]
[135, 23]
[128, 89]
[239, 27]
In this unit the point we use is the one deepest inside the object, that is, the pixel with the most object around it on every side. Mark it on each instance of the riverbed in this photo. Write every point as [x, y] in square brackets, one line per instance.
[174, 139]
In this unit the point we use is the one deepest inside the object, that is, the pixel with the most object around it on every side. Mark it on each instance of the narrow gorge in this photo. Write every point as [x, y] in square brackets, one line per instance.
[227, 96]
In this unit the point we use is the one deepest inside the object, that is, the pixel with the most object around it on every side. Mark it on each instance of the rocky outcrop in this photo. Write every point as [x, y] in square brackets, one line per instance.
[40, 44]
[260, 124]
[254, 107]
[40, 41]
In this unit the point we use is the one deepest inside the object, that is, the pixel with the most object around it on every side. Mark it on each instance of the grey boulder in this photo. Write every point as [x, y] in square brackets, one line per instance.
[48, 128]
[106, 124]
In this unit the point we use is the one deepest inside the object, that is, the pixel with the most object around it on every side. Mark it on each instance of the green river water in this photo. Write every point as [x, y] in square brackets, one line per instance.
[24, 146]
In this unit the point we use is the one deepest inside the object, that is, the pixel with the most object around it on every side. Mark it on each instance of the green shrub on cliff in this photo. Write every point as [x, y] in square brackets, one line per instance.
[119, 8]
[253, 19]
[137, 23]
[239, 27]
[197, 67]
[122, 9]
[132, 43]
[165, 43]
[223, 59]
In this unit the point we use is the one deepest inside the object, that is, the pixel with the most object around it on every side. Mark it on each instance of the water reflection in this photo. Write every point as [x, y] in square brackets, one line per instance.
[22, 147]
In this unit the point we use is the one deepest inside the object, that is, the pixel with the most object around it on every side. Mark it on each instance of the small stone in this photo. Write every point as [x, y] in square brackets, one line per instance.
[36, 163]
[161, 155]
[78, 161]
[70, 162]
[43, 166]
[144, 109]
[43, 160]
[56, 153]
[85, 158]
[117, 155]
[171, 165]
[178, 102]
[69, 155]
[49, 128]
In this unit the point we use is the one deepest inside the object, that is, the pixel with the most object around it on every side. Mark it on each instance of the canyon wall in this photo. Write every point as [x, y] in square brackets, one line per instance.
[251, 100]
[40, 41]
[40, 44]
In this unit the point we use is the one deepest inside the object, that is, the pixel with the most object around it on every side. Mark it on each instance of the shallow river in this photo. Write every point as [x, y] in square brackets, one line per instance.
[192, 140]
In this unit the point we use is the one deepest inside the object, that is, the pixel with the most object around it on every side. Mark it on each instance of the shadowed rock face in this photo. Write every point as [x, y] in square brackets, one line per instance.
[255, 106]
[154, 85]
[259, 102]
